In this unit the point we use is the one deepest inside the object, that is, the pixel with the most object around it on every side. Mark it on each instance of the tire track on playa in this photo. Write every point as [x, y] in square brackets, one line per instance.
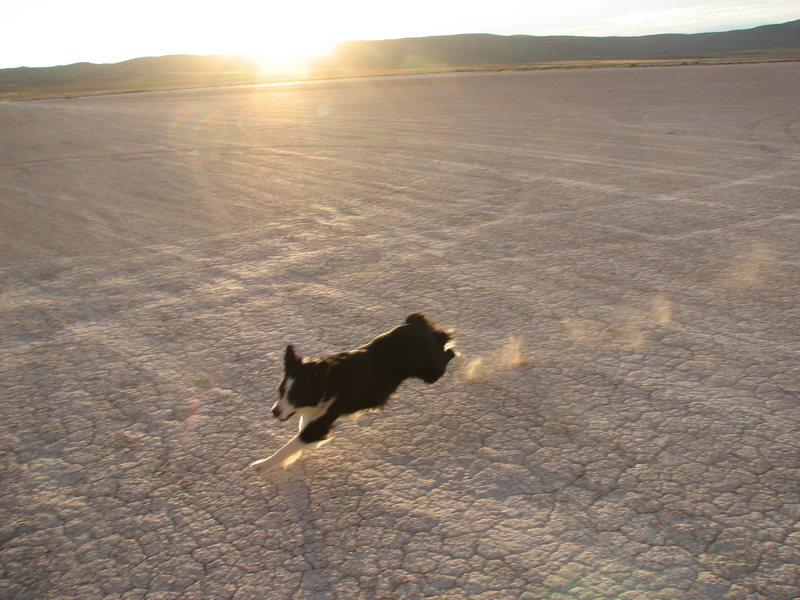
[764, 130]
[226, 152]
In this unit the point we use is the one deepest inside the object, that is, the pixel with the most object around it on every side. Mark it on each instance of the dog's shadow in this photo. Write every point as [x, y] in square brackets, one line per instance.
[452, 457]
[296, 493]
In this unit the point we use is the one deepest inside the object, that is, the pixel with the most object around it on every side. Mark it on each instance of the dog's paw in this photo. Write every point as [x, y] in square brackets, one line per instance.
[256, 465]
[263, 465]
[274, 461]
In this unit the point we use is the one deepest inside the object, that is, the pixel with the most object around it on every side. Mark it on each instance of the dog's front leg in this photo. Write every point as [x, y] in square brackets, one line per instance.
[310, 414]
[283, 457]
[314, 435]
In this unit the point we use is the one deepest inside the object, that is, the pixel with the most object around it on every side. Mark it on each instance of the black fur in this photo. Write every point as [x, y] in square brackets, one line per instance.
[364, 378]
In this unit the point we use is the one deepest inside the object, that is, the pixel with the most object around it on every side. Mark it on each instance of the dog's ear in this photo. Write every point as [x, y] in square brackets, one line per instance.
[291, 358]
[443, 336]
[417, 319]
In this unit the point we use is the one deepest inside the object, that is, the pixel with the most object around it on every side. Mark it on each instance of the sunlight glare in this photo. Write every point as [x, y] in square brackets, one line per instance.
[290, 52]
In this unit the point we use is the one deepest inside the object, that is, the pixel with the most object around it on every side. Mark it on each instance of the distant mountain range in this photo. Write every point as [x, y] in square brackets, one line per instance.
[490, 50]
[454, 52]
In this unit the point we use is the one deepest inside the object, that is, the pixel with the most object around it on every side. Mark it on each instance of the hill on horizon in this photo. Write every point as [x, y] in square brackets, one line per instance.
[451, 52]
[488, 49]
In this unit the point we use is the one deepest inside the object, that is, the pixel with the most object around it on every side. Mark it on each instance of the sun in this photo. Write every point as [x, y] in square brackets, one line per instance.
[288, 53]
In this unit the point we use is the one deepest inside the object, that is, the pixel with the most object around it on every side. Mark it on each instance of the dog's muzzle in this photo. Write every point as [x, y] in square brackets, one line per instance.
[280, 415]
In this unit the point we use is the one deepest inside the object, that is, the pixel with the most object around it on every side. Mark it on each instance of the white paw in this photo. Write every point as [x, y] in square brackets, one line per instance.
[276, 460]
[263, 465]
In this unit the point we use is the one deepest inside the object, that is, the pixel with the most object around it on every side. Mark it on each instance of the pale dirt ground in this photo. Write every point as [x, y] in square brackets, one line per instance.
[617, 249]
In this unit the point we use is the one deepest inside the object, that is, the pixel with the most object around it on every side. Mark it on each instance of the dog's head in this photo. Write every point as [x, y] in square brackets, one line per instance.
[434, 347]
[300, 388]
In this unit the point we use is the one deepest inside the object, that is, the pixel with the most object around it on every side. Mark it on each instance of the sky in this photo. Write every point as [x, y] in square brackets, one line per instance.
[39, 33]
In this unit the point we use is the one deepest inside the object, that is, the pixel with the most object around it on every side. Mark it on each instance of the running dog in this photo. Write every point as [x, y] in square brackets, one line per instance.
[320, 391]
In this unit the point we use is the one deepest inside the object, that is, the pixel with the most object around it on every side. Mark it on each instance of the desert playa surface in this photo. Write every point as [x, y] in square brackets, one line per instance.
[617, 250]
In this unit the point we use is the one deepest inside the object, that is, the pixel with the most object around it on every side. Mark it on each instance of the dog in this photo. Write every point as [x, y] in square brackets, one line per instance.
[320, 391]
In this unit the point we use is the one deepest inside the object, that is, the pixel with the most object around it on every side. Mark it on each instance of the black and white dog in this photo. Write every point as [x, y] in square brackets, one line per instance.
[321, 391]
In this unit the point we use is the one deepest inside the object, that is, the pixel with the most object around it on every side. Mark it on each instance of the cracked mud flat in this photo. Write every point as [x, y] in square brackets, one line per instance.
[617, 249]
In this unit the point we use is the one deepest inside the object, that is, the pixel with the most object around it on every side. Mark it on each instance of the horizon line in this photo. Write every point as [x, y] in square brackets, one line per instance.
[412, 37]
